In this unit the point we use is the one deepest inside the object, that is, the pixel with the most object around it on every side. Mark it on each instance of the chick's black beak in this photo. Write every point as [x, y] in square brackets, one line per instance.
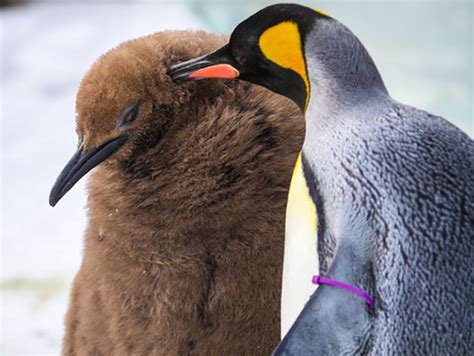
[215, 65]
[81, 163]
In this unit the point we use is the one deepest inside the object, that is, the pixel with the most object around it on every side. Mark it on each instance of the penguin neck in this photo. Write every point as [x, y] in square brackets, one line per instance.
[341, 72]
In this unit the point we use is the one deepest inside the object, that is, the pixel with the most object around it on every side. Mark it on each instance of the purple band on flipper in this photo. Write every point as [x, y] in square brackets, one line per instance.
[354, 290]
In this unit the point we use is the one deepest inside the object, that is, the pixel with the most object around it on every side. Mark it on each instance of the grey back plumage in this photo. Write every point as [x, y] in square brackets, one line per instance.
[423, 252]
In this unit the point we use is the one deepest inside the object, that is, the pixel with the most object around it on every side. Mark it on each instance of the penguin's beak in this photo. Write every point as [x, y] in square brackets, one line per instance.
[215, 65]
[82, 162]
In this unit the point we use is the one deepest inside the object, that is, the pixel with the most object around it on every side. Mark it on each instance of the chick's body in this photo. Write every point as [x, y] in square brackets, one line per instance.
[184, 245]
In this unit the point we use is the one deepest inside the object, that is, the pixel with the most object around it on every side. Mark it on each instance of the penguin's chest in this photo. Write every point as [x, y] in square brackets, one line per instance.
[301, 259]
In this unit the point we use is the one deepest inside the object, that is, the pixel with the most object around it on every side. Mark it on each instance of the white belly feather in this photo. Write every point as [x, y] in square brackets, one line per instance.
[300, 259]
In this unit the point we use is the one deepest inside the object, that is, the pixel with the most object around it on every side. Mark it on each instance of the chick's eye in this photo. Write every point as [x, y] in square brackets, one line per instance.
[129, 115]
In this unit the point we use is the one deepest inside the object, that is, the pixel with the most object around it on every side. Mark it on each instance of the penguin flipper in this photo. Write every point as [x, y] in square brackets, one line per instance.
[333, 321]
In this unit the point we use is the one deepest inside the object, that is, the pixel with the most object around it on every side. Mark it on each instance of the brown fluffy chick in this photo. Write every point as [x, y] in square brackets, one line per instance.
[184, 245]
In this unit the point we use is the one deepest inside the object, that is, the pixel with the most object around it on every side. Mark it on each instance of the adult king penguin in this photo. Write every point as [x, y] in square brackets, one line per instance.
[185, 236]
[392, 186]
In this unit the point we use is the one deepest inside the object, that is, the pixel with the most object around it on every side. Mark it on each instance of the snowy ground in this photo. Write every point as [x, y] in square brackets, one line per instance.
[423, 49]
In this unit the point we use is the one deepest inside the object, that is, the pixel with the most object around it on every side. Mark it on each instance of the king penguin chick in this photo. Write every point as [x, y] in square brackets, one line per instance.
[185, 236]
[392, 186]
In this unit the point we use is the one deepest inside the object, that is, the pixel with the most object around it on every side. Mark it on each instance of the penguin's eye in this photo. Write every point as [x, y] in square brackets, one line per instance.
[128, 115]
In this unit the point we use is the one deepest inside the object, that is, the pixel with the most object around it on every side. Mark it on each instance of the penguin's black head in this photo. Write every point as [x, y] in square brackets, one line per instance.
[265, 49]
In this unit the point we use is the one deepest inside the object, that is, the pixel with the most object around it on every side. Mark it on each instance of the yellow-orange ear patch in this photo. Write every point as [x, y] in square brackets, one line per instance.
[281, 44]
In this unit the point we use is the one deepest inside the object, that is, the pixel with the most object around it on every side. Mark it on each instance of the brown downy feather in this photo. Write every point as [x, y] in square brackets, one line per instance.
[184, 246]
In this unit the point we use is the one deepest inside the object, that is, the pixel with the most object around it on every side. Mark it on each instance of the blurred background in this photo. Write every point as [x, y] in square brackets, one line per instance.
[424, 50]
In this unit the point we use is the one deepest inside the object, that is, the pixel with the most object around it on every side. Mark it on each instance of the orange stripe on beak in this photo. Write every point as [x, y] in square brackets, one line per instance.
[216, 71]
